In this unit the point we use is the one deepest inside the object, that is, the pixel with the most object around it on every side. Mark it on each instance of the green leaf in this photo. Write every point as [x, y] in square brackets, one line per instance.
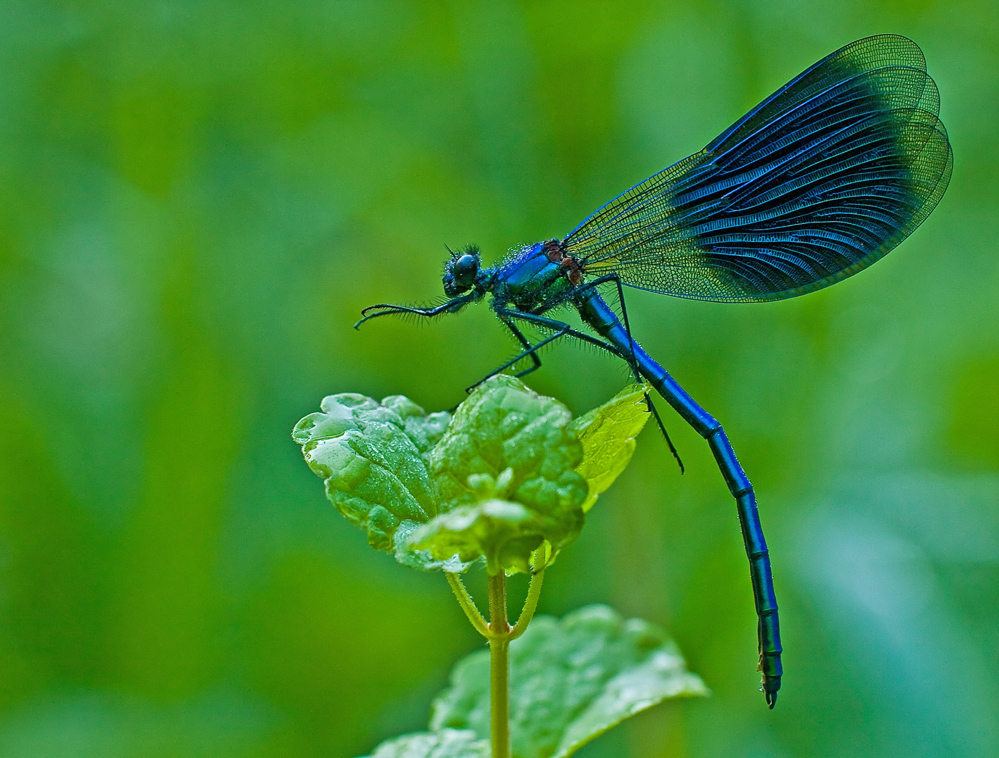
[374, 457]
[446, 743]
[504, 475]
[504, 425]
[570, 681]
[608, 437]
[502, 531]
[510, 471]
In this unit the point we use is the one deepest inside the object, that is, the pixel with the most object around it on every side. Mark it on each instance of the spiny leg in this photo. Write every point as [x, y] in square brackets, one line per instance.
[561, 329]
[585, 287]
[567, 330]
[564, 329]
[387, 309]
[529, 350]
[662, 428]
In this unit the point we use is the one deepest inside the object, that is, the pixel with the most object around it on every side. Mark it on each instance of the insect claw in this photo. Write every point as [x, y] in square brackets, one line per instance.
[366, 316]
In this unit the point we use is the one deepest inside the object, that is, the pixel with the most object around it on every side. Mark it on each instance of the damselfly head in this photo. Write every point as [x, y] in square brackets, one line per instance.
[460, 271]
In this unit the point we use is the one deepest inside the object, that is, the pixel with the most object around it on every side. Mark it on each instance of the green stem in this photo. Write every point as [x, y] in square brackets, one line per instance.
[467, 604]
[499, 633]
[533, 593]
[499, 670]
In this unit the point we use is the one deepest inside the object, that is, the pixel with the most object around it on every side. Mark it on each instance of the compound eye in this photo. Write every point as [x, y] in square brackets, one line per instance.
[465, 270]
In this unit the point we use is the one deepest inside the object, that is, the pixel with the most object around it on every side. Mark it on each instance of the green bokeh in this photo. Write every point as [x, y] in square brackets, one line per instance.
[197, 198]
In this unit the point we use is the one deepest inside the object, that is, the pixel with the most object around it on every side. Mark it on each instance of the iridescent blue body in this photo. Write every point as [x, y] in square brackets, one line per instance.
[816, 183]
[530, 280]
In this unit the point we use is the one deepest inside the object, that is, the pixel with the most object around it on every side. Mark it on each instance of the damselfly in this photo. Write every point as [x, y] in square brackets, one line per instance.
[816, 183]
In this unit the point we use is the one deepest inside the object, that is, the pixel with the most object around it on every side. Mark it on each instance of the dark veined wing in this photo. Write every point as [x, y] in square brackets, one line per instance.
[814, 184]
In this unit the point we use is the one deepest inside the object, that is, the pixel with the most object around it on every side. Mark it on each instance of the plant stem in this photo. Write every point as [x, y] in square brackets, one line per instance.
[499, 633]
[467, 604]
[499, 670]
[531, 602]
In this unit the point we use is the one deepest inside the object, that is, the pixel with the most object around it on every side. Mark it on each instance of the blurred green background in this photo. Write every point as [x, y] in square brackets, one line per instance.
[197, 198]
